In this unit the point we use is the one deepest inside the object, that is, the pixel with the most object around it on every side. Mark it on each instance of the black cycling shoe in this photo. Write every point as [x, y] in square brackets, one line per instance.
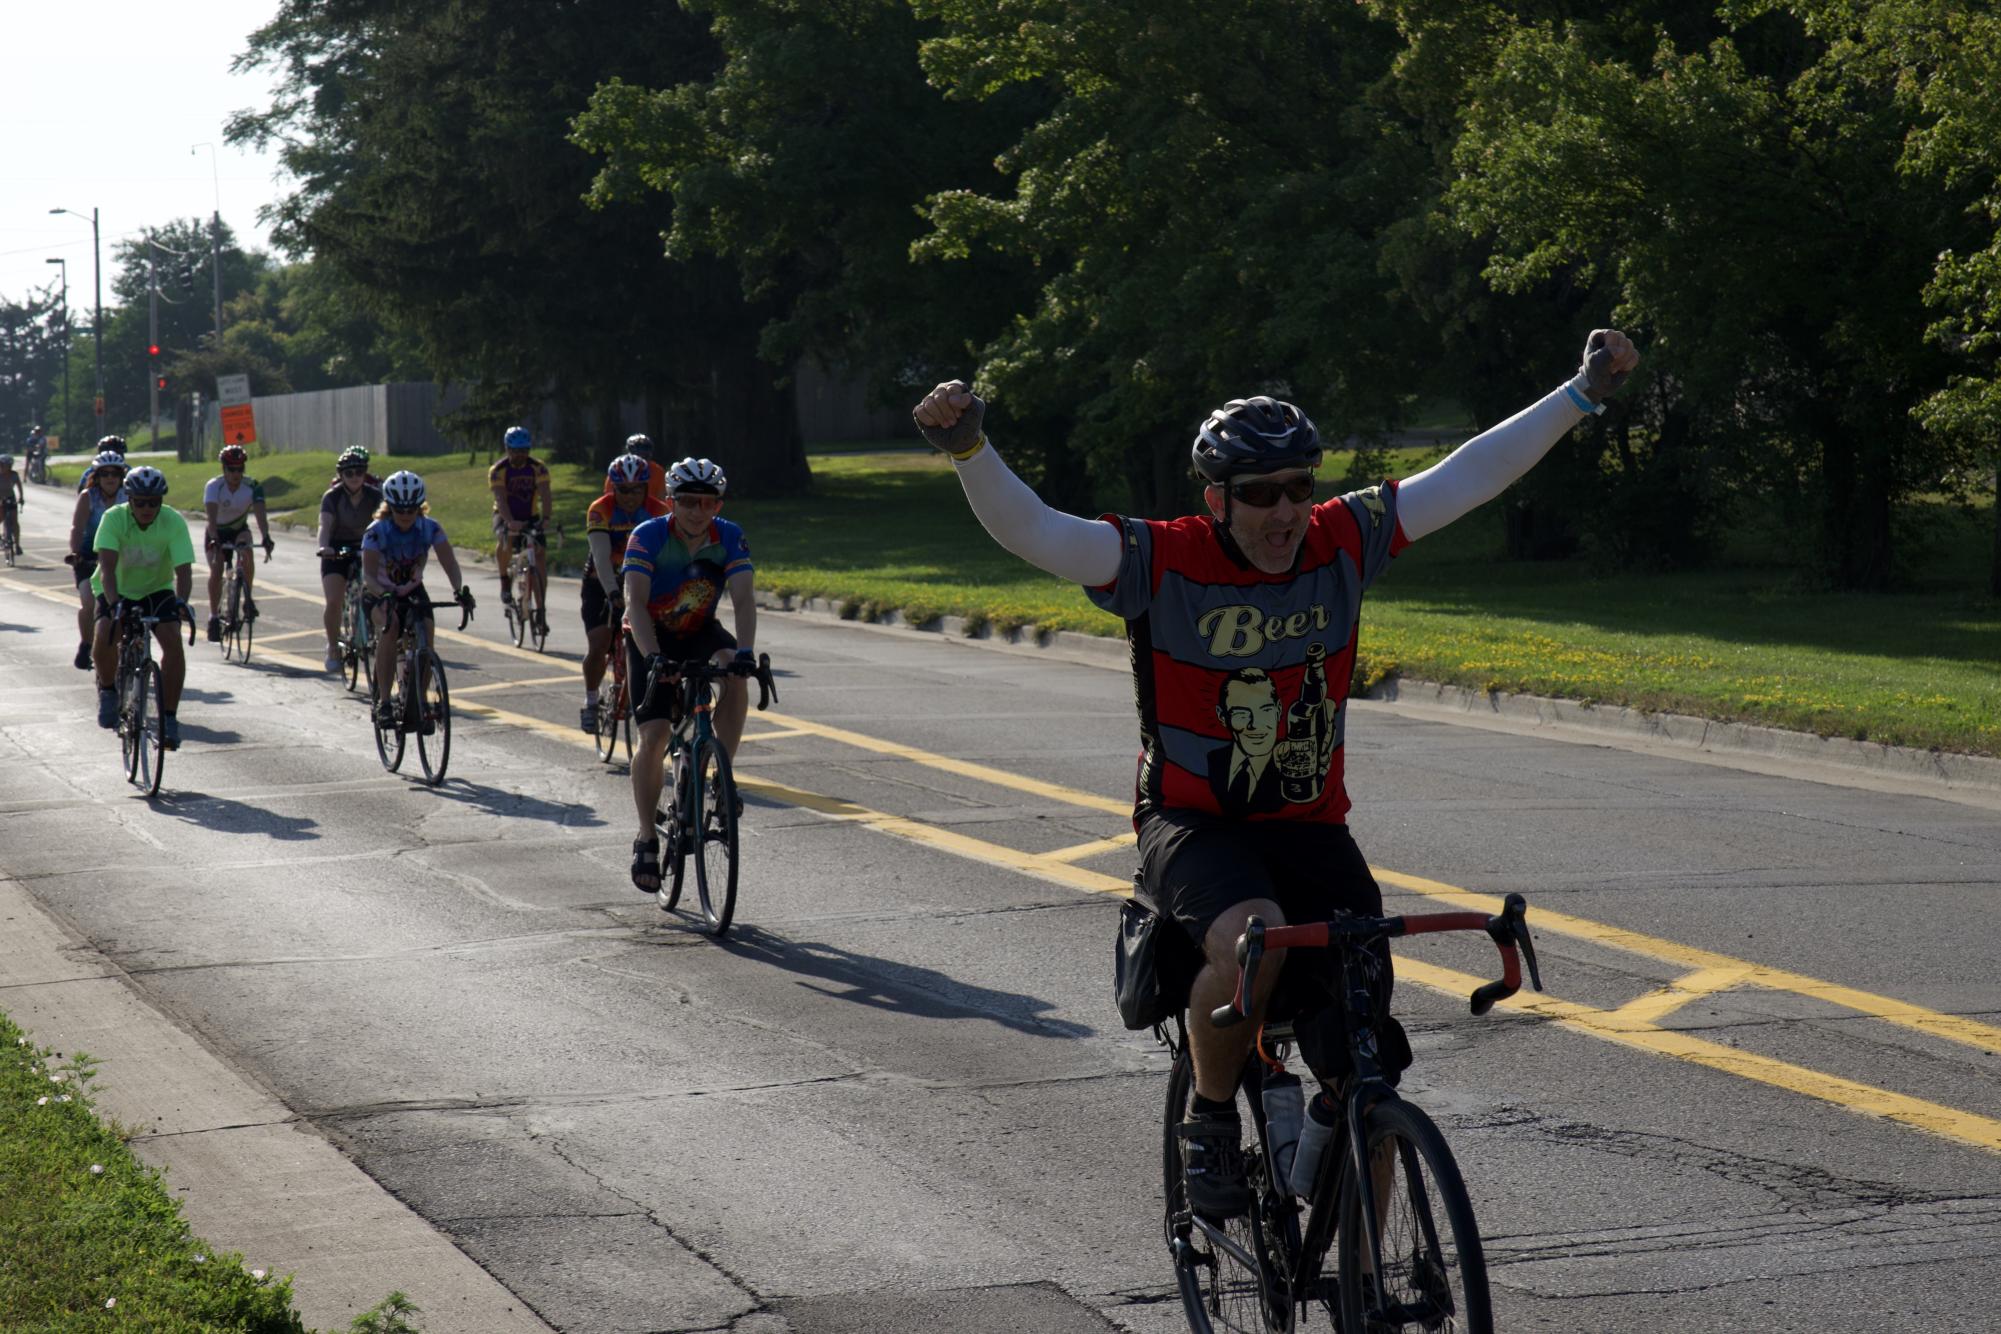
[1212, 1158]
[83, 657]
[214, 629]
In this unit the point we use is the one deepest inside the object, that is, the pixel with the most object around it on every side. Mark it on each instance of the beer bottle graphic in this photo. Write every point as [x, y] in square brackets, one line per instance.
[1302, 756]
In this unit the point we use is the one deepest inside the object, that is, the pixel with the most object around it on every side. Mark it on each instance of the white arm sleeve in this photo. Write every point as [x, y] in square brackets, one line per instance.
[1484, 466]
[1084, 551]
[607, 569]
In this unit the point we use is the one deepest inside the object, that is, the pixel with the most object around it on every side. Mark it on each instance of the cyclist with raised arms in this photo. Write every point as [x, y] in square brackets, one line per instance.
[346, 510]
[393, 552]
[13, 495]
[676, 568]
[1242, 625]
[608, 523]
[520, 486]
[103, 489]
[231, 500]
[145, 566]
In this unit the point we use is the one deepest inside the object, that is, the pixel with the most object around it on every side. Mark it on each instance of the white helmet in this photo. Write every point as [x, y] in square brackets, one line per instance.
[628, 470]
[404, 490]
[697, 476]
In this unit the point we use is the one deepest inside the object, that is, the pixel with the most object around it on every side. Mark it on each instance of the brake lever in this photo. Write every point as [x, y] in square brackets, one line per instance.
[1250, 952]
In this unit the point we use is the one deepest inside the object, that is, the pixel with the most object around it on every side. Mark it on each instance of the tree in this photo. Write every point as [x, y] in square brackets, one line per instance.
[1747, 193]
[802, 160]
[437, 180]
[32, 335]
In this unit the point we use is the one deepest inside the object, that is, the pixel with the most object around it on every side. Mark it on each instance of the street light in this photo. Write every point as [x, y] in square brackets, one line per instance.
[65, 272]
[214, 234]
[97, 316]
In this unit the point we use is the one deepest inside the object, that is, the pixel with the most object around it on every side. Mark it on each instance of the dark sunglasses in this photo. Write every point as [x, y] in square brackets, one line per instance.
[142, 504]
[406, 509]
[1263, 495]
[625, 488]
[232, 467]
[354, 472]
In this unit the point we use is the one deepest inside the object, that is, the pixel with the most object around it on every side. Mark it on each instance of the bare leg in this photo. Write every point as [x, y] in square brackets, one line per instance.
[335, 587]
[730, 711]
[597, 653]
[103, 656]
[214, 580]
[1219, 1053]
[649, 772]
[173, 665]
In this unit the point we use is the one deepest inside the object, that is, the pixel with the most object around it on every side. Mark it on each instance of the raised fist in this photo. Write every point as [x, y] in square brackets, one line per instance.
[950, 416]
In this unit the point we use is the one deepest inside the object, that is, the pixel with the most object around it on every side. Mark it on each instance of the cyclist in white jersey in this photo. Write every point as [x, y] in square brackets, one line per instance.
[231, 500]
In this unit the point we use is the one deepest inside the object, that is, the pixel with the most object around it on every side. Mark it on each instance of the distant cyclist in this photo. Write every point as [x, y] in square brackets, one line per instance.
[676, 569]
[145, 566]
[13, 496]
[36, 450]
[609, 522]
[346, 510]
[110, 444]
[393, 552]
[641, 447]
[520, 487]
[232, 500]
[105, 483]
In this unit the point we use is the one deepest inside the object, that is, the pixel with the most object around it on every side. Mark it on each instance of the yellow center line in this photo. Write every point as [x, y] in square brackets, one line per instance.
[568, 678]
[1097, 846]
[1658, 1005]
[262, 640]
[964, 768]
[36, 590]
[1949, 1122]
[776, 736]
[1969, 1032]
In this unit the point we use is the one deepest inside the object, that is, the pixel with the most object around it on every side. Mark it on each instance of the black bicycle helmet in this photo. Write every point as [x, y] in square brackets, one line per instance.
[1249, 436]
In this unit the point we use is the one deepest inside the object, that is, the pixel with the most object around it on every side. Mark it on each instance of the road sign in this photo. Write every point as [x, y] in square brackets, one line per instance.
[239, 423]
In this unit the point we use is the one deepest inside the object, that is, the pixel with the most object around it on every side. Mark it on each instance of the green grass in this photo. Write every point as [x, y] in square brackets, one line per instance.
[89, 1236]
[1748, 641]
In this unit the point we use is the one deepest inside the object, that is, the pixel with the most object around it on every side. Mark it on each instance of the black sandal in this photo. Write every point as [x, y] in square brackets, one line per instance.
[646, 862]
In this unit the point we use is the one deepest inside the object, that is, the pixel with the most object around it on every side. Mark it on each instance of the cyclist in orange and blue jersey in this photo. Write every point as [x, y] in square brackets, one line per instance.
[626, 503]
[676, 569]
[520, 487]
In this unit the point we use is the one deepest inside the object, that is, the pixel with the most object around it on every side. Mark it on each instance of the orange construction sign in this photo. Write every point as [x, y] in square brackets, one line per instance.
[239, 425]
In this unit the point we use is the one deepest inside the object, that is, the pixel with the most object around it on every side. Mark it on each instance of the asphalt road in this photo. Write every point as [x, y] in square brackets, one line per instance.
[1761, 1092]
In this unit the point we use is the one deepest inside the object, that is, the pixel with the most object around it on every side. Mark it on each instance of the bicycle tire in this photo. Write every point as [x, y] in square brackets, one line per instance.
[1218, 1291]
[389, 738]
[132, 719]
[1434, 1281]
[351, 651]
[611, 706]
[434, 717]
[674, 862]
[153, 731]
[517, 611]
[715, 836]
[247, 627]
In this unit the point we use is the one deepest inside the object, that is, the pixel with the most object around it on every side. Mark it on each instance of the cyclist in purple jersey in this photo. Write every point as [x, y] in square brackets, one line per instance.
[520, 487]
[393, 552]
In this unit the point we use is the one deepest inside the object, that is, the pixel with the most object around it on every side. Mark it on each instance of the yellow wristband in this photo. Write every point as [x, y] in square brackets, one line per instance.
[978, 445]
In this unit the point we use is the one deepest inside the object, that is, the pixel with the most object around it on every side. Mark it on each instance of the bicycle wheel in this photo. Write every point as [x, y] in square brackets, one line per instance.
[434, 718]
[673, 844]
[1232, 1276]
[611, 711]
[132, 697]
[150, 730]
[232, 602]
[351, 653]
[247, 629]
[517, 612]
[389, 737]
[538, 619]
[715, 835]
[1432, 1273]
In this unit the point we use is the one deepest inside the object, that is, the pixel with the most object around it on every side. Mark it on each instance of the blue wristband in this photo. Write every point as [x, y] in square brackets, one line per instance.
[1580, 402]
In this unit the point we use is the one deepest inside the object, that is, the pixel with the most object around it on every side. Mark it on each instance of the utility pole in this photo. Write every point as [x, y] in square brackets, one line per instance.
[97, 316]
[64, 270]
[153, 339]
[214, 235]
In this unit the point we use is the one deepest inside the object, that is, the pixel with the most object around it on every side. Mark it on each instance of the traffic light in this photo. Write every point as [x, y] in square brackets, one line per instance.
[188, 272]
[152, 349]
[160, 383]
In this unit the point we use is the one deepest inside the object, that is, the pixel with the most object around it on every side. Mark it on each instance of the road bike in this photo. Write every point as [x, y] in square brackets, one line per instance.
[420, 704]
[528, 614]
[239, 609]
[356, 645]
[614, 716]
[701, 819]
[38, 465]
[142, 699]
[1386, 1195]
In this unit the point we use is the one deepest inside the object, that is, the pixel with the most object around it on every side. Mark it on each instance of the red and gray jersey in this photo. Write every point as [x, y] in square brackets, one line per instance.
[1241, 677]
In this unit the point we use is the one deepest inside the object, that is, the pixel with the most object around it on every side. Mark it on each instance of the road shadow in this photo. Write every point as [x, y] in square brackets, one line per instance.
[519, 806]
[234, 817]
[207, 696]
[207, 735]
[898, 988]
[5, 628]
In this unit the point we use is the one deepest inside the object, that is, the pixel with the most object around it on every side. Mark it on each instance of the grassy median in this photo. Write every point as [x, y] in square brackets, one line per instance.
[1751, 640]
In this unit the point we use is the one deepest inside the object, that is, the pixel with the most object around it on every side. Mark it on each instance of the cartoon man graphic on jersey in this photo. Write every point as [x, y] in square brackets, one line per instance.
[1243, 774]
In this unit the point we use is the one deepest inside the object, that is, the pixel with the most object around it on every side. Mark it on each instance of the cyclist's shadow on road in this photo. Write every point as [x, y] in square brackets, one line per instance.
[233, 817]
[518, 805]
[208, 736]
[11, 629]
[885, 984]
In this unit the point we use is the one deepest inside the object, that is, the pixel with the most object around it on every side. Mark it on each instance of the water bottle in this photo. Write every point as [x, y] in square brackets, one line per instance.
[1285, 1107]
[1323, 1118]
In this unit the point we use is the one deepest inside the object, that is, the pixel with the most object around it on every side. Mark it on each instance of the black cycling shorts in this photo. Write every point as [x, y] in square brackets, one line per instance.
[86, 566]
[1195, 866]
[595, 604]
[347, 567]
[370, 601]
[159, 603]
[704, 643]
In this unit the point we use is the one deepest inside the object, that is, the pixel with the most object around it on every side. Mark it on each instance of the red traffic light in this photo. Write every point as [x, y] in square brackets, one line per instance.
[152, 349]
[161, 382]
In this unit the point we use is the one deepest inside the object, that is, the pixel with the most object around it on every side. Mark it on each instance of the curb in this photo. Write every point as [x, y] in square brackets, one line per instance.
[1973, 778]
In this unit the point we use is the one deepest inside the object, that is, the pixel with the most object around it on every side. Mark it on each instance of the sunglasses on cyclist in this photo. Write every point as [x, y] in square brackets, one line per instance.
[629, 488]
[144, 504]
[406, 509]
[353, 472]
[232, 467]
[1264, 495]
